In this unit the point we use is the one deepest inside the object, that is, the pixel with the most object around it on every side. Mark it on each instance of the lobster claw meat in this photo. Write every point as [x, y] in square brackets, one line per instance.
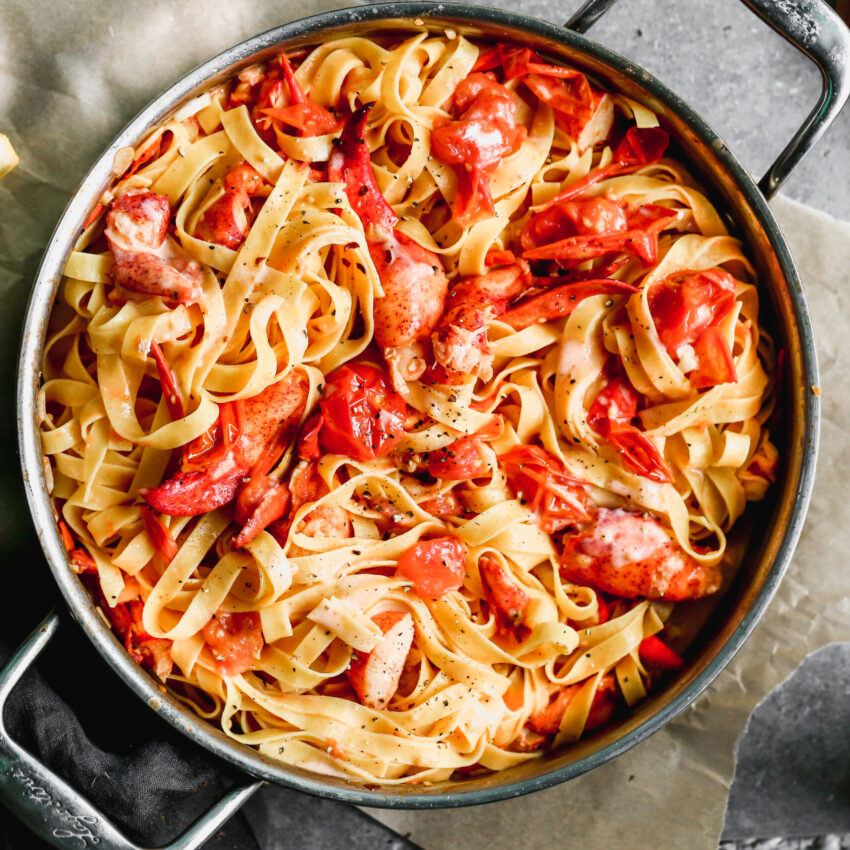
[261, 500]
[460, 338]
[351, 165]
[136, 227]
[413, 278]
[560, 301]
[505, 597]
[268, 417]
[633, 555]
[226, 221]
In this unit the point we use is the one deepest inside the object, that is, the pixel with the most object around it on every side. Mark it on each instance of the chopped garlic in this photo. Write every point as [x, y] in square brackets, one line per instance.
[687, 358]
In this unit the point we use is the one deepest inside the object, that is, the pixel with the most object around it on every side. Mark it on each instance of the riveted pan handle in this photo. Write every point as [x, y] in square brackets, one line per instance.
[813, 28]
[53, 809]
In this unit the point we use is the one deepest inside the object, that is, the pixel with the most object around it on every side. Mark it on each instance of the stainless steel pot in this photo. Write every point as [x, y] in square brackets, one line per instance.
[57, 812]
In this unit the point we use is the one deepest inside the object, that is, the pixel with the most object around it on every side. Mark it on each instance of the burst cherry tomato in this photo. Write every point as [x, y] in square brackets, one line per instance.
[433, 566]
[611, 416]
[687, 307]
[546, 488]
[617, 400]
[574, 218]
[458, 461]
[485, 131]
[685, 303]
[362, 416]
[235, 640]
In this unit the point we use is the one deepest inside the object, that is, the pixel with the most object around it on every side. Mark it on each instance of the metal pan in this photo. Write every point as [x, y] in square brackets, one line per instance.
[58, 813]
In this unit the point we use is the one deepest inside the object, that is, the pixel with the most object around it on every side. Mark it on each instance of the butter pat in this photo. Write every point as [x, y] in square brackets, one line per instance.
[8, 157]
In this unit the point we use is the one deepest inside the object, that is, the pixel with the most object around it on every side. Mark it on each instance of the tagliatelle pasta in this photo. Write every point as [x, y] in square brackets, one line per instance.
[393, 400]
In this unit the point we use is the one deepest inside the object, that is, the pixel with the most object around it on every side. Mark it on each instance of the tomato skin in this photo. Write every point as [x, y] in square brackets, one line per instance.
[362, 415]
[572, 98]
[617, 401]
[654, 651]
[458, 461]
[611, 416]
[550, 492]
[235, 640]
[687, 308]
[485, 131]
[433, 566]
[641, 146]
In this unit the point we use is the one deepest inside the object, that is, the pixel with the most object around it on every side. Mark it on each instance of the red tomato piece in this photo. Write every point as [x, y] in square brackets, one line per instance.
[518, 61]
[82, 562]
[572, 98]
[67, 537]
[236, 640]
[611, 416]
[687, 306]
[685, 303]
[458, 461]
[617, 401]
[434, 566]
[363, 416]
[486, 129]
[475, 143]
[654, 651]
[641, 146]
[540, 481]
[714, 358]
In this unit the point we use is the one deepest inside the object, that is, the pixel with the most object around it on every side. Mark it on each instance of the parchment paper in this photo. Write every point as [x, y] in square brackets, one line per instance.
[71, 74]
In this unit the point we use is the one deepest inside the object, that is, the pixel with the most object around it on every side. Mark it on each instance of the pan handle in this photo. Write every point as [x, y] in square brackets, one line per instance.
[813, 28]
[53, 809]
